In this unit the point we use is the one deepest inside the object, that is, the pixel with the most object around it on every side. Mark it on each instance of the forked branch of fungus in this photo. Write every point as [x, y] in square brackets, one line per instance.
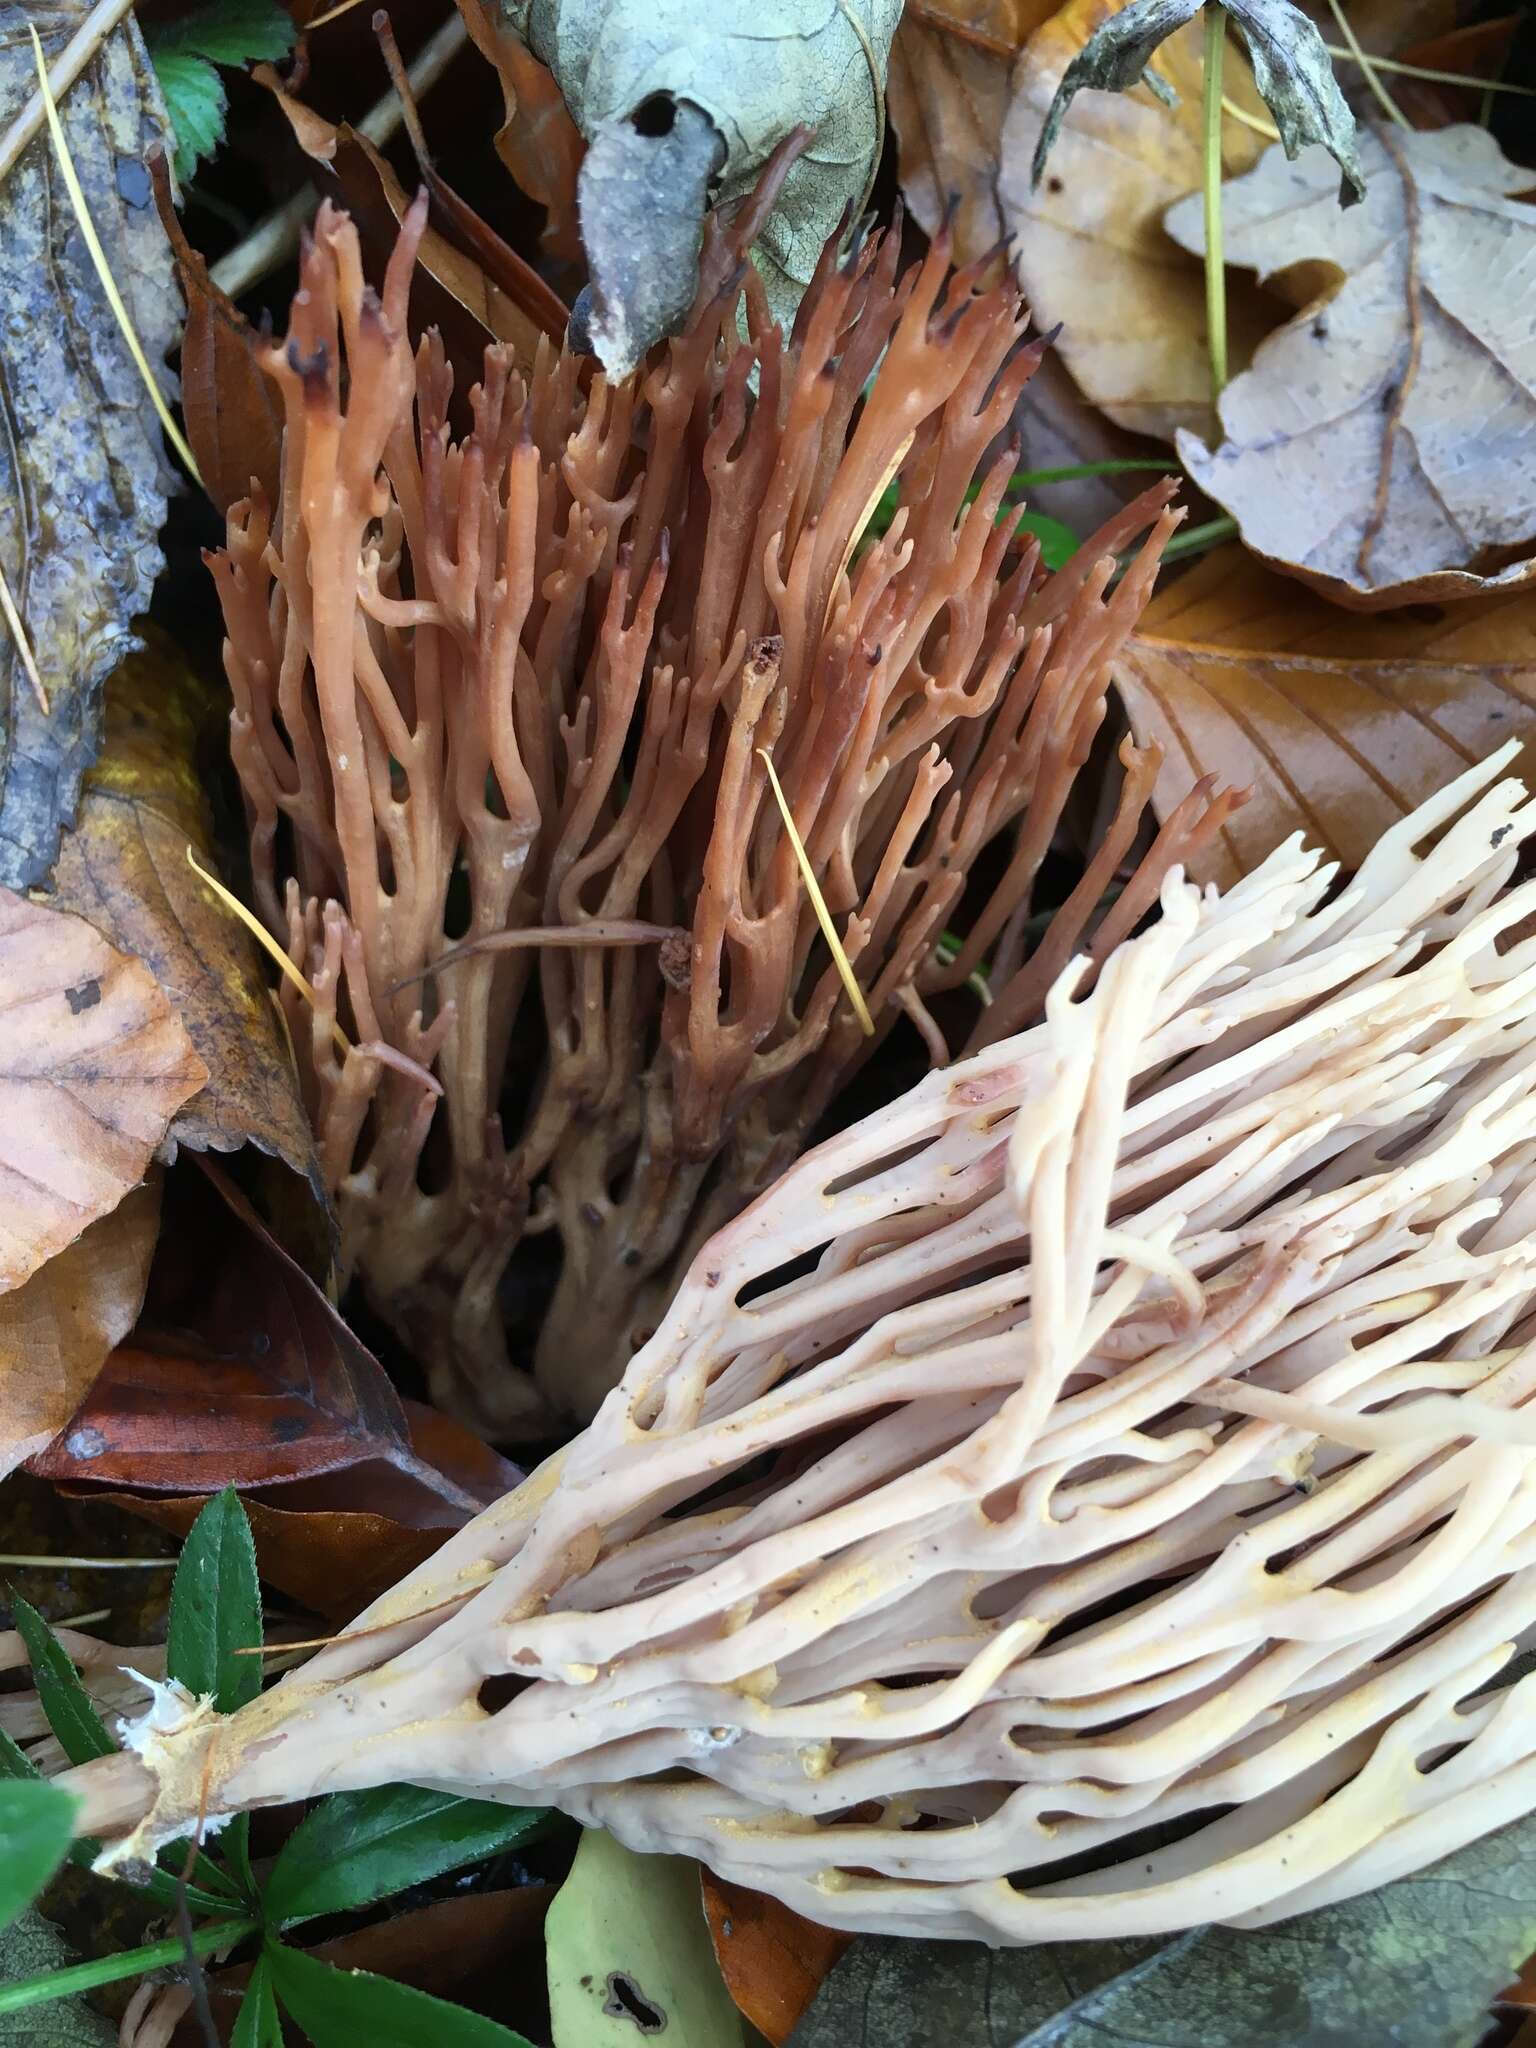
[1133, 1426]
[496, 693]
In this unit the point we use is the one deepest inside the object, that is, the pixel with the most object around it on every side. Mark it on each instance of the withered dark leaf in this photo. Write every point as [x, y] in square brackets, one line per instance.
[82, 478]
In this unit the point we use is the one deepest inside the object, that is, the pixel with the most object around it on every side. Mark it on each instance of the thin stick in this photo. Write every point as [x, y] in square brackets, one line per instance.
[1259, 126]
[1388, 105]
[98, 255]
[82, 1564]
[67, 67]
[273, 240]
[1215, 269]
[1396, 66]
[819, 905]
[611, 931]
[18, 632]
[268, 945]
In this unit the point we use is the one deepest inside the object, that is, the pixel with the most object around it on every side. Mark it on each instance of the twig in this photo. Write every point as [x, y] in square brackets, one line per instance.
[273, 240]
[1215, 270]
[1400, 69]
[18, 632]
[81, 1564]
[67, 67]
[1388, 105]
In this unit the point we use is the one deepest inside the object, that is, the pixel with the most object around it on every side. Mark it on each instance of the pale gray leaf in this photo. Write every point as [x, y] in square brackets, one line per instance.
[1294, 75]
[28, 1947]
[1114, 60]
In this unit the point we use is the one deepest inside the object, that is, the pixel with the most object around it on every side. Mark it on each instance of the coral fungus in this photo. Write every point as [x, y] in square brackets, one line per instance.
[516, 689]
[1131, 1428]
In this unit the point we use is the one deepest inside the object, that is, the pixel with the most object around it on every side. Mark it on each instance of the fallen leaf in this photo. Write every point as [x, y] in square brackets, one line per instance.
[124, 867]
[28, 1947]
[93, 1066]
[947, 95]
[538, 142]
[628, 1949]
[1089, 242]
[755, 76]
[1340, 723]
[772, 1960]
[240, 1373]
[229, 407]
[1479, 50]
[57, 1328]
[1383, 444]
[82, 477]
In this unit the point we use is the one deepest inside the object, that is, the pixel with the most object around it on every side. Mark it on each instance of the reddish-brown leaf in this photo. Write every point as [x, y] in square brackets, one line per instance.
[241, 1373]
[539, 142]
[233, 419]
[772, 1960]
[1340, 722]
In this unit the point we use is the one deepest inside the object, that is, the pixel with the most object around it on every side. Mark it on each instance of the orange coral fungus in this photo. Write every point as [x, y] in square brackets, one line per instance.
[515, 690]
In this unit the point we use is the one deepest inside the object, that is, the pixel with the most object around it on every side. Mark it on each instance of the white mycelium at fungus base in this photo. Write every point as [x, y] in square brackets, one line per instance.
[1131, 1426]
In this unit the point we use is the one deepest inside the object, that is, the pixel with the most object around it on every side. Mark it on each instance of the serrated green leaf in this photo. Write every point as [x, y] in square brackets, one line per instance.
[625, 1935]
[339, 2008]
[37, 1825]
[360, 1846]
[14, 1761]
[229, 32]
[195, 100]
[257, 2024]
[64, 1699]
[215, 1618]
[1058, 543]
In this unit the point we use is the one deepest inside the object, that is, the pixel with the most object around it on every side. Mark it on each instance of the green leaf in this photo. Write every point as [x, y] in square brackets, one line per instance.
[340, 2008]
[30, 1947]
[1291, 69]
[49, 1985]
[257, 2024]
[195, 100]
[14, 1761]
[216, 1607]
[1058, 543]
[37, 1825]
[1417, 1961]
[627, 1935]
[360, 1846]
[64, 1699]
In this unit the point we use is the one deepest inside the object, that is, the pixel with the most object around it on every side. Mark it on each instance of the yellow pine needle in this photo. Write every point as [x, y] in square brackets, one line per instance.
[1259, 126]
[331, 14]
[819, 904]
[1401, 70]
[17, 625]
[99, 257]
[27, 1560]
[268, 944]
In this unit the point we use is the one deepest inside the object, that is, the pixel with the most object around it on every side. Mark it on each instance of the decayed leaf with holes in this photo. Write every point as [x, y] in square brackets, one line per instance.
[947, 95]
[82, 478]
[1383, 444]
[125, 868]
[57, 1328]
[1089, 241]
[754, 70]
[93, 1065]
[1339, 723]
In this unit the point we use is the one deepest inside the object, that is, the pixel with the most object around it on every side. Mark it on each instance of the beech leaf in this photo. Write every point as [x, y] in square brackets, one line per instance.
[756, 69]
[82, 478]
[772, 1960]
[1338, 723]
[93, 1066]
[1383, 443]
[1291, 69]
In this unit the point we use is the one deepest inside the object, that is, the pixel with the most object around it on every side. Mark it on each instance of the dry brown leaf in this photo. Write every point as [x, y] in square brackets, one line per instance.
[947, 96]
[1339, 722]
[772, 1960]
[125, 868]
[1090, 245]
[57, 1328]
[1383, 444]
[538, 142]
[93, 1065]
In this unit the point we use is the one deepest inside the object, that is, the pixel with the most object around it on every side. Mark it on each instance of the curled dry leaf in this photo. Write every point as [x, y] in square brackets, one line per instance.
[57, 1328]
[124, 867]
[772, 1960]
[82, 482]
[538, 142]
[1133, 319]
[1339, 724]
[94, 1064]
[1401, 402]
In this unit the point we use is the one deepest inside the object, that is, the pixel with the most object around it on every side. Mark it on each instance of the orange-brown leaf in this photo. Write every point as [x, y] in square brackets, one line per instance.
[94, 1064]
[1339, 722]
[772, 1960]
